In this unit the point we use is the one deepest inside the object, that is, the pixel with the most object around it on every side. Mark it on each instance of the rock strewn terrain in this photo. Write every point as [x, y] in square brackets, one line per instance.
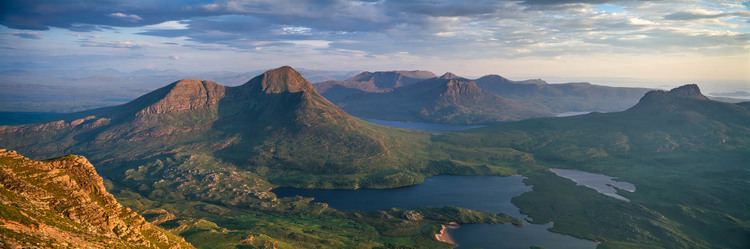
[62, 203]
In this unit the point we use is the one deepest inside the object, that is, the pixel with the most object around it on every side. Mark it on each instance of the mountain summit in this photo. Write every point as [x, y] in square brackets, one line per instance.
[279, 80]
[661, 98]
[449, 76]
[689, 91]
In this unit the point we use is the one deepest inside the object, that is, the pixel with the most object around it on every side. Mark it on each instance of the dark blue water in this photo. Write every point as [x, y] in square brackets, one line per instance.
[439, 191]
[488, 236]
[486, 193]
[419, 126]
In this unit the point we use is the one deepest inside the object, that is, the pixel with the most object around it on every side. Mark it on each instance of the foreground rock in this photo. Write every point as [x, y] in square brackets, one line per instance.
[62, 203]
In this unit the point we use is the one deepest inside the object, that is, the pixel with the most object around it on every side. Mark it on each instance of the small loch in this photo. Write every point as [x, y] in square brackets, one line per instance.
[485, 193]
[603, 184]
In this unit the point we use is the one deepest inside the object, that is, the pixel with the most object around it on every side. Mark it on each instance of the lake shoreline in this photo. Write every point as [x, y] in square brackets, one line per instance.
[444, 236]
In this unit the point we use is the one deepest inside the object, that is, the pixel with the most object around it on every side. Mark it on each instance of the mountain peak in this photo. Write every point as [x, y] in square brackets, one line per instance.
[282, 79]
[463, 87]
[449, 76]
[686, 91]
[661, 98]
[689, 90]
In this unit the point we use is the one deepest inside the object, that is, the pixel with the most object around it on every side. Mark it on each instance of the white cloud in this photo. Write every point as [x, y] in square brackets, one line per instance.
[168, 25]
[126, 17]
[445, 34]
[640, 21]
[294, 30]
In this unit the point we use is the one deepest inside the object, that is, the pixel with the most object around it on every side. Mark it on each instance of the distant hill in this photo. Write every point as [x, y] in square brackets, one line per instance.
[566, 97]
[393, 95]
[445, 99]
[62, 203]
[381, 81]
[741, 94]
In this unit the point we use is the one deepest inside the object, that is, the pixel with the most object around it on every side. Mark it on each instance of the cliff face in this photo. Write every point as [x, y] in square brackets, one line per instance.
[62, 203]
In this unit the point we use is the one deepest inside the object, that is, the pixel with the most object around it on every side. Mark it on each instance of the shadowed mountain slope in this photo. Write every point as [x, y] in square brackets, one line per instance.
[446, 99]
[382, 81]
[566, 97]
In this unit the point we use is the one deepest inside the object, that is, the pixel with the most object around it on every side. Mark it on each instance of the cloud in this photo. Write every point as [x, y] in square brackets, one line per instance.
[168, 25]
[26, 35]
[174, 57]
[696, 14]
[424, 28]
[126, 17]
[293, 30]
[109, 44]
[561, 2]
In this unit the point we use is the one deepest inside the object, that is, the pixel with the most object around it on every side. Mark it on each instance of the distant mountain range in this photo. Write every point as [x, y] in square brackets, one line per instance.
[444, 99]
[419, 96]
[565, 97]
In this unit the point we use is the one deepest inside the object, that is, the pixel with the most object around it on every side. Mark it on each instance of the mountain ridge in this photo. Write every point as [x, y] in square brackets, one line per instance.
[378, 81]
[445, 99]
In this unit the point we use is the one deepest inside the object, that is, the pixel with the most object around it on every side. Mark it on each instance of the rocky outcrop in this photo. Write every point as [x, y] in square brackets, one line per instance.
[668, 100]
[186, 95]
[62, 203]
[280, 80]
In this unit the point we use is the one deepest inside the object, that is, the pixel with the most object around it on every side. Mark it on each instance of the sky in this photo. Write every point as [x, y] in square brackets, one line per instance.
[614, 42]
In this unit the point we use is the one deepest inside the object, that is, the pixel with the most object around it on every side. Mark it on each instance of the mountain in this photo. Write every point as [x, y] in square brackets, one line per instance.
[382, 81]
[686, 154]
[274, 127]
[679, 120]
[41, 90]
[62, 203]
[445, 99]
[393, 95]
[566, 97]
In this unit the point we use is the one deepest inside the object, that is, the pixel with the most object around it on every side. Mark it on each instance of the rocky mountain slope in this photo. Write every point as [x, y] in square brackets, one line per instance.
[276, 127]
[62, 203]
[446, 99]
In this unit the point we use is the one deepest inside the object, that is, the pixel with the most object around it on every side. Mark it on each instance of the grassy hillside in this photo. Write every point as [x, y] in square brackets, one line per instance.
[686, 154]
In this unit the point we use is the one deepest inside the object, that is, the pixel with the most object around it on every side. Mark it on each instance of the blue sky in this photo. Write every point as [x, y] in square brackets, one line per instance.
[607, 41]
